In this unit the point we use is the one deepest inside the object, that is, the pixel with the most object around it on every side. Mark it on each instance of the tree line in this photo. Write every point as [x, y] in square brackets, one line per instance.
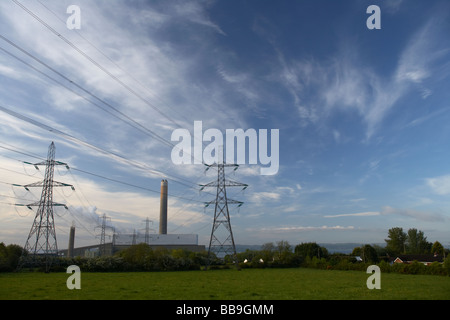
[9, 257]
[142, 257]
[411, 242]
[312, 255]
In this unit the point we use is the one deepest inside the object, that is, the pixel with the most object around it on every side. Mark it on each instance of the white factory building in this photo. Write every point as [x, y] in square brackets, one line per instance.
[155, 240]
[120, 242]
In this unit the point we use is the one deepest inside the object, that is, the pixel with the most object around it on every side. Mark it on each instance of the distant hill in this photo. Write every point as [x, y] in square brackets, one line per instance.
[346, 248]
[243, 247]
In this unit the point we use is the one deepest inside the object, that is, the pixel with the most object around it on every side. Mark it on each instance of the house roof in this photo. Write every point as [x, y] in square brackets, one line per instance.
[420, 257]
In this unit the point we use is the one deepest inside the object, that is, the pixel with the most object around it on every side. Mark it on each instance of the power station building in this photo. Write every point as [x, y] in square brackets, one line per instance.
[120, 242]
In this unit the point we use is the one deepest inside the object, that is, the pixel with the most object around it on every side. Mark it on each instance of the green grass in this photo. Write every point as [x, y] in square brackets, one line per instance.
[251, 284]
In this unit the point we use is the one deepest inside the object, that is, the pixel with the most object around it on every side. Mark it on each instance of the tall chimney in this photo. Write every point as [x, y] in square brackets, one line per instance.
[71, 241]
[163, 208]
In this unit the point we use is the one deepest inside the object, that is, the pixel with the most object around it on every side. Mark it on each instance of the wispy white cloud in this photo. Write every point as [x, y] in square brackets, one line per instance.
[162, 78]
[193, 67]
[89, 201]
[345, 82]
[424, 50]
[415, 214]
[439, 185]
[259, 197]
[420, 120]
[359, 214]
[390, 211]
[307, 228]
[9, 72]
[195, 12]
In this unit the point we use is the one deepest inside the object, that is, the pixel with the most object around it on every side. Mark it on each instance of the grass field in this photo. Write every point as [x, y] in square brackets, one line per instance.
[247, 284]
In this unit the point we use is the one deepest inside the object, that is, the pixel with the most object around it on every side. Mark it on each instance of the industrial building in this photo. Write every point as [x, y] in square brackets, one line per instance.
[120, 242]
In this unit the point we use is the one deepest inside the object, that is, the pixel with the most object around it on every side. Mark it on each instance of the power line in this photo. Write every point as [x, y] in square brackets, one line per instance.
[130, 184]
[128, 120]
[102, 177]
[134, 124]
[67, 204]
[26, 153]
[104, 55]
[60, 36]
[99, 66]
[79, 189]
[105, 152]
[11, 197]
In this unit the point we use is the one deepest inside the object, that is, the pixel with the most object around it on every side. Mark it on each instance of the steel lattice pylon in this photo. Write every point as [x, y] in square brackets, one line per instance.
[222, 241]
[103, 252]
[41, 245]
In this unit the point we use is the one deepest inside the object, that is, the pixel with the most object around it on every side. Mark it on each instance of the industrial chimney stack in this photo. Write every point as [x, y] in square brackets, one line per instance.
[163, 208]
[71, 241]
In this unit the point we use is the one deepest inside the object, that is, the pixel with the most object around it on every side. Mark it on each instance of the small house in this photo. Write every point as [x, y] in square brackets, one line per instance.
[426, 259]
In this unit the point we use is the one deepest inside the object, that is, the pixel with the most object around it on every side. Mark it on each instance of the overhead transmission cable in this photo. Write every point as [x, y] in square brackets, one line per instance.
[99, 176]
[71, 44]
[104, 55]
[105, 152]
[97, 65]
[127, 119]
[59, 35]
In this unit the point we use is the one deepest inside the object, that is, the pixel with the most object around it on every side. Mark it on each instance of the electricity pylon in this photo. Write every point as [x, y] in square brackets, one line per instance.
[41, 242]
[103, 227]
[221, 242]
[147, 230]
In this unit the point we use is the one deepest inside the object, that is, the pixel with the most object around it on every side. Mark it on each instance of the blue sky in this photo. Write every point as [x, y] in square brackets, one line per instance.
[362, 114]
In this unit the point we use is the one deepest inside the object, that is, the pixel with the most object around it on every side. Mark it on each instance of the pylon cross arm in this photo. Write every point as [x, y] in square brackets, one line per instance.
[43, 183]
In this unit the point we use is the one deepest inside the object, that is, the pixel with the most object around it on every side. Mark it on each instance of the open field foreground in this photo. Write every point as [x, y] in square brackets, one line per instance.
[248, 284]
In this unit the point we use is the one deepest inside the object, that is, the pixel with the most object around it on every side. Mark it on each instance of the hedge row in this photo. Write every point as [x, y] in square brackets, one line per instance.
[153, 261]
[347, 263]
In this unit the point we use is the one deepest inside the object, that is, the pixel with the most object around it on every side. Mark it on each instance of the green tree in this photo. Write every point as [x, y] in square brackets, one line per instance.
[3, 257]
[369, 254]
[356, 251]
[267, 251]
[283, 250]
[416, 242]
[311, 249]
[381, 251]
[366, 252]
[137, 254]
[437, 248]
[396, 242]
[447, 265]
[248, 255]
[9, 256]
